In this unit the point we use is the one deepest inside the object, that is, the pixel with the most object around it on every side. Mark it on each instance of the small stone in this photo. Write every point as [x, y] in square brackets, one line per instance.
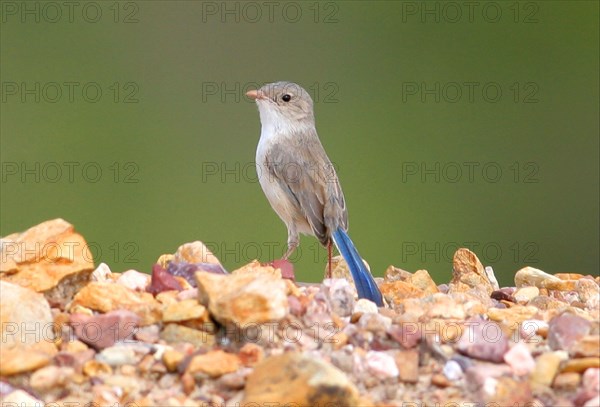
[101, 273]
[171, 359]
[242, 299]
[567, 381]
[50, 377]
[134, 280]
[161, 281]
[589, 292]
[94, 368]
[250, 354]
[525, 294]
[407, 362]
[519, 359]
[50, 258]
[453, 371]
[581, 364]
[546, 367]
[529, 276]
[422, 280]
[294, 378]
[340, 295]
[407, 334]
[512, 317]
[148, 334]
[117, 356]
[363, 306]
[174, 333]
[185, 310]
[381, 365]
[483, 340]
[195, 252]
[102, 331]
[440, 380]
[566, 329]
[588, 346]
[105, 297]
[489, 272]
[507, 391]
[26, 331]
[374, 322]
[21, 398]
[214, 363]
[398, 291]
[468, 273]
[590, 387]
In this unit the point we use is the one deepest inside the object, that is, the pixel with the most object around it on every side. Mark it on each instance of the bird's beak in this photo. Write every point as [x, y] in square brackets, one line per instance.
[255, 94]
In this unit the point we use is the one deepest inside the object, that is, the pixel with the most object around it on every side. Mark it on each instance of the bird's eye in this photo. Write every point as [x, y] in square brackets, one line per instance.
[286, 98]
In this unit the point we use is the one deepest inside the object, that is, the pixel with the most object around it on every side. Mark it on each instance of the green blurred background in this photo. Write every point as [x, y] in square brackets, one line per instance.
[450, 125]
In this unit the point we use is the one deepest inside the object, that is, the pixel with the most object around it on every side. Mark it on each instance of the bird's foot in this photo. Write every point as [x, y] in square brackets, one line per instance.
[286, 267]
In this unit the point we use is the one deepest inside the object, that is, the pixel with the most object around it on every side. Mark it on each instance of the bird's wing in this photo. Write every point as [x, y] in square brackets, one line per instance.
[304, 170]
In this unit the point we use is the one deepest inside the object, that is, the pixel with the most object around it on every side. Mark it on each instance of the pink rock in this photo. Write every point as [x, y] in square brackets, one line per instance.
[162, 281]
[567, 329]
[590, 388]
[519, 359]
[381, 365]
[483, 340]
[408, 334]
[102, 331]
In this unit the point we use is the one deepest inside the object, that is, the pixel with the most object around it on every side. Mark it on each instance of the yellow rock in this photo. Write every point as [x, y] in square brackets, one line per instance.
[105, 297]
[215, 363]
[296, 379]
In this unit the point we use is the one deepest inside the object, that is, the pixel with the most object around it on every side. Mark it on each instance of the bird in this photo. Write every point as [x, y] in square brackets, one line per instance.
[299, 180]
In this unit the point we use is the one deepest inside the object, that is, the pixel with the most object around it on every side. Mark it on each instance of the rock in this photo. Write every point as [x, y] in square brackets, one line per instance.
[363, 306]
[340, 295]
[94, 368]
[580, 365]
[407, 334]
[161, 281]
[423, 281]
[102, 331]
[242, 299]
[567, 381]
[507, 391]
[546, 367]
[174, 333]
[589, 292]
[489, 272]
[483, 340]
[194, 252]
[117, 356]
[468, 273]
[171, 358]
[294, 378]
[255, 267]
[529, 276]
[102, 273]
[21, 398]
[105, 297]
[381, 365]
[566, 329]
[250, 354]
[28, 337]
[50, 377]
[395, 292]
[134, 280]
[525, 294]
[50, 258]
[186, 310]
[588, 346]
[453, 371]
[214, 363]
[519, 359]
[407, 362]
[512, 317]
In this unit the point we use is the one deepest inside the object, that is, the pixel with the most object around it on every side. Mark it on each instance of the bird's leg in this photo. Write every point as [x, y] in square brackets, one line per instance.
[329, 249]
[292, 243]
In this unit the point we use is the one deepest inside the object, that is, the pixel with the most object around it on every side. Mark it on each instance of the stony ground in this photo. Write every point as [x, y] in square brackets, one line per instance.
[194, 335]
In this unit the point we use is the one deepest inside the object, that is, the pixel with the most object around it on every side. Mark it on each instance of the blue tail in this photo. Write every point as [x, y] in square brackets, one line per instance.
[365, 285]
